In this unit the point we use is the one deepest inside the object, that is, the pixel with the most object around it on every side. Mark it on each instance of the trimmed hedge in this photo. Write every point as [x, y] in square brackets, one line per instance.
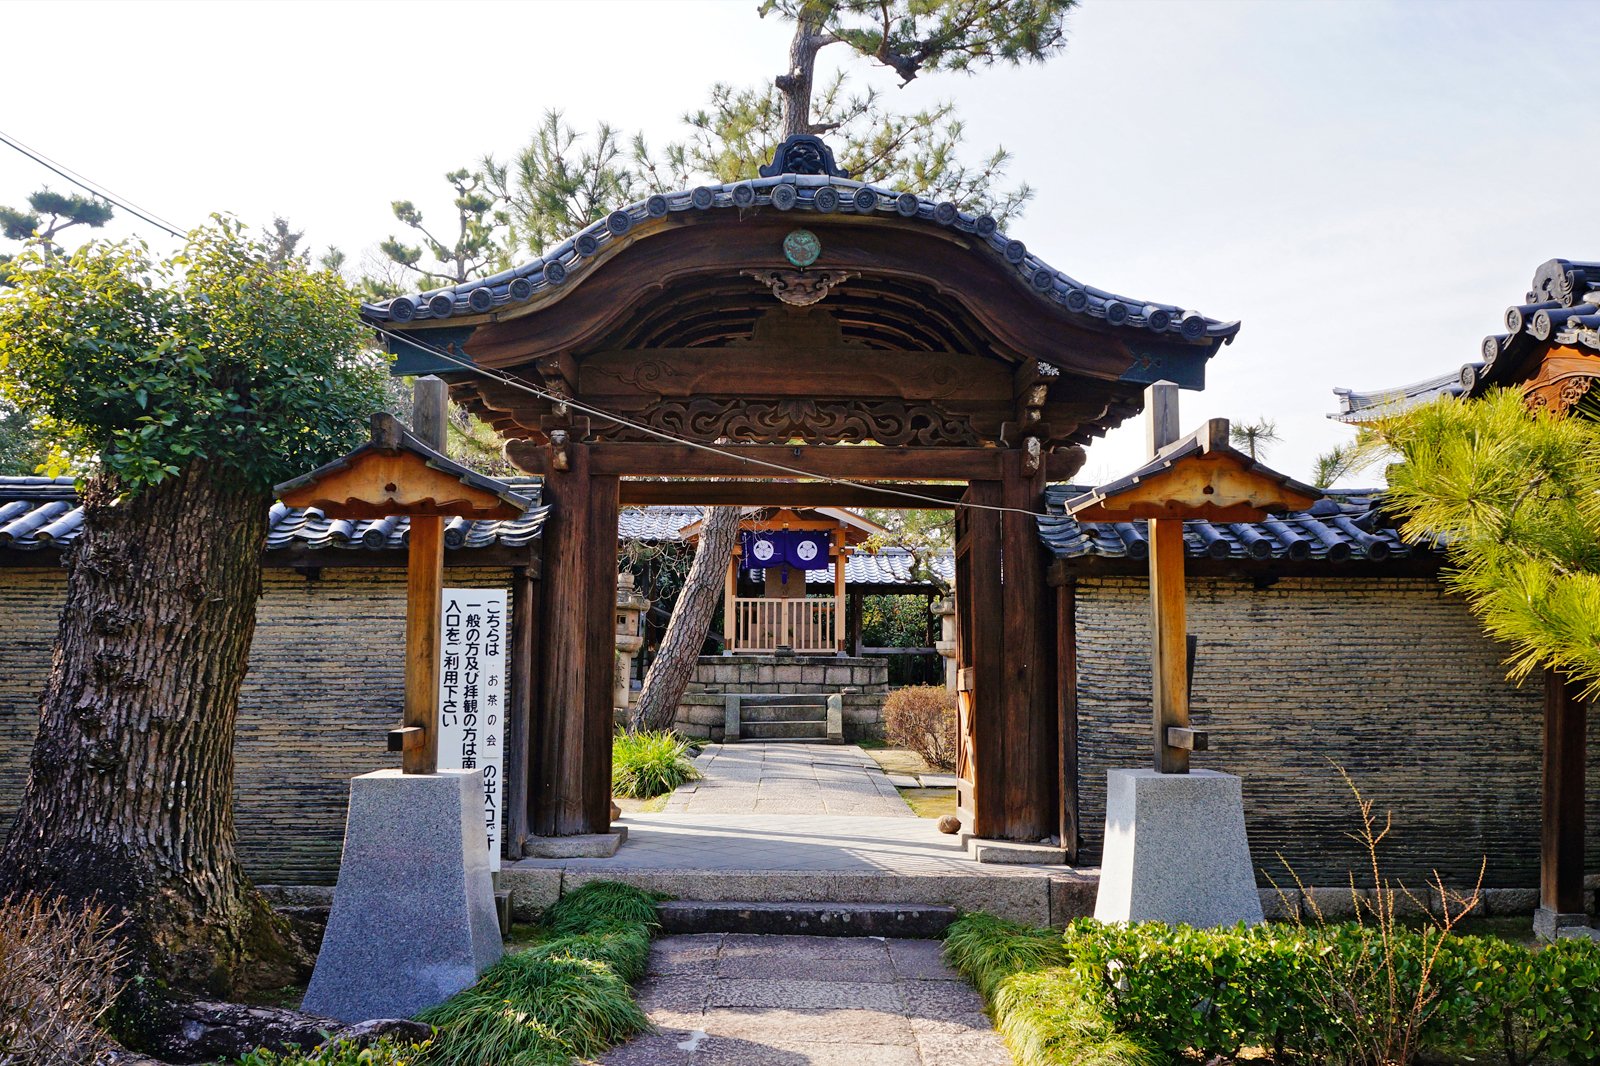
[1153, 992]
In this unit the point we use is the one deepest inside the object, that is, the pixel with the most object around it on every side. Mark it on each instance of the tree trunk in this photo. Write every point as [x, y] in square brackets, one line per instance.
[675, 660]
[129, 797]
[795, 86]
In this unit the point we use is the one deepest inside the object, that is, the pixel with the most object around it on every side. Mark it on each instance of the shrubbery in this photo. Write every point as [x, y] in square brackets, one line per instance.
[60, 971]
[1153, 992]
[923, 719]
[647, 764]
[384, 1052]
[565, 998]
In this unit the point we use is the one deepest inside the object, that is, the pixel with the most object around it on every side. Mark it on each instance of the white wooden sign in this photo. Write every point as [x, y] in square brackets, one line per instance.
[473, 696]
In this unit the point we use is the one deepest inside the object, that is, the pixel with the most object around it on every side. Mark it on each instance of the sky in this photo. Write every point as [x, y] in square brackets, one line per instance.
[1365, 185]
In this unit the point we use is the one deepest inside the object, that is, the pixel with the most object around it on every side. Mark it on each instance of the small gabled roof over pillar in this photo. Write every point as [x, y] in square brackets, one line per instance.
[1201, 475]
[395, 473]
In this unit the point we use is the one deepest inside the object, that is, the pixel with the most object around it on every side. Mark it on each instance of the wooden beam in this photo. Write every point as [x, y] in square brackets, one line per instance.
[1561, 842]
[863, 462]
[424, 588]
[1168, 645]
[1187, 739]
[1027, 726]
[786, 494]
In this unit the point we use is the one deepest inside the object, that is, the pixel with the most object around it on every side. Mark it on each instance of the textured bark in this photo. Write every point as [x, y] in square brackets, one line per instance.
[795, 86]
[674, 664]
[130, 786]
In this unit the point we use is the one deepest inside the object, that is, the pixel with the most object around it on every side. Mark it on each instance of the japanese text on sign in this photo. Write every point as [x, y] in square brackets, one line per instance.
[473, 696]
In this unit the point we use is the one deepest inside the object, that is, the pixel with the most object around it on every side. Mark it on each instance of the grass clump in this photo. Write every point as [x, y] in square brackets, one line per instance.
[564, 998]
[647, 764]
[1047, 1017]
[986, 950]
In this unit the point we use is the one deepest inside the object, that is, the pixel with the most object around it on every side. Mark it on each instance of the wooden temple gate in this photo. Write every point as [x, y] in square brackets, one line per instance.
[800, 340]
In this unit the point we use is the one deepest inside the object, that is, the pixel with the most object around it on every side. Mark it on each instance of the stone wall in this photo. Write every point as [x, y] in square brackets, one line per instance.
[326, 682]
[863, 681]
[1388, 678]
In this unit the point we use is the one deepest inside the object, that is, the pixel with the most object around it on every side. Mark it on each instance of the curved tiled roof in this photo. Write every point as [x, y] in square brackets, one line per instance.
[1344, 525]
[815, 193]
[1561, 307]
[43, 513]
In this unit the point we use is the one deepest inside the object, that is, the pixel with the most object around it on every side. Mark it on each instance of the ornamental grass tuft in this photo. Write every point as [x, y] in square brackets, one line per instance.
[986, 950]
[565, 998]
[648, 764]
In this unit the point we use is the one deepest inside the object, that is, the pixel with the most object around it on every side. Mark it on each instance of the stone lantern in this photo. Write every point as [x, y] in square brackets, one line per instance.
[630, 638]
[946, 644]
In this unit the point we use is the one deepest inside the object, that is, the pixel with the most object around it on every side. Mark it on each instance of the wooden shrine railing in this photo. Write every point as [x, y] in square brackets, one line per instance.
[762, 624]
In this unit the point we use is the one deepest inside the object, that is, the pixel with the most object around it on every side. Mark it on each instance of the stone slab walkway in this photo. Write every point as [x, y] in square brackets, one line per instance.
[730, 999]
[788, 779]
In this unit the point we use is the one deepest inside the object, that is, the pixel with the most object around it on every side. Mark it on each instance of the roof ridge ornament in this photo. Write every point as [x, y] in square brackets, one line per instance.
[803, 153]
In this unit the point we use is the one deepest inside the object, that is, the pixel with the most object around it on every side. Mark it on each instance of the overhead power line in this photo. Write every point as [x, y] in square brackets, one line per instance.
[91, 187]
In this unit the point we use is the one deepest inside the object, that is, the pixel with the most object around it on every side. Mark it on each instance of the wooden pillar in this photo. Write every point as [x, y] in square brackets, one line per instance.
[519, 721]
[837, 537]
[1028, 705]
[571, 730]
[1169, 649]
[424, 590]
[1561, 844]
[981, 683]
[1067, 712]
[855, 621]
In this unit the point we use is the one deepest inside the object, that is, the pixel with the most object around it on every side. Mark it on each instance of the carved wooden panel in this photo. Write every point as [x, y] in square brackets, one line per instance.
[817, 422]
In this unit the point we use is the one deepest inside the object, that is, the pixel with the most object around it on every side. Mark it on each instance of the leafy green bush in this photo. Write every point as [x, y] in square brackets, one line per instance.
[341, 1053]
[564, 998]
[647, 764]
[1128, 994]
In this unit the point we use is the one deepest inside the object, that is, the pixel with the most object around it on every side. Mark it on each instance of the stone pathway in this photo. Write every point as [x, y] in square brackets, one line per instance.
[788, 779]
[730, 999]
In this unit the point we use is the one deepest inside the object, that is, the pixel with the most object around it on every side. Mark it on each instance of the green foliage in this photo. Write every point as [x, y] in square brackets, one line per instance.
[1515, 498]
[649, 763]
[565, 998]
[1254, 437]
[217, 354]
[385, 1052]
[48, 214]
[475, 246]
[894, 621]
[986, 950]
[23, 450]
[560, 182]
[915, 36]
[1127, 993]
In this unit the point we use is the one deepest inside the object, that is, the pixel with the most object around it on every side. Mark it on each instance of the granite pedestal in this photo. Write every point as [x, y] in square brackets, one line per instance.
[413, 918]
[1176, 851]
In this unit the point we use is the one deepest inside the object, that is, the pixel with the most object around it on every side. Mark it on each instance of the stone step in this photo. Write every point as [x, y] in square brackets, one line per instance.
[782, 699]
[914, 921]
[784, 730]
[783, 712]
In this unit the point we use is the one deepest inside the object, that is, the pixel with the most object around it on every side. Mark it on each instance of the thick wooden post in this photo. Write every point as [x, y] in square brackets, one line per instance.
[1067, 712]
[1561, 845]
[519, 720]
[1028, 745]
[424, 589]
[730, 610]
[1169, 649]
[980, 790]
[855, 620]
[572, 727]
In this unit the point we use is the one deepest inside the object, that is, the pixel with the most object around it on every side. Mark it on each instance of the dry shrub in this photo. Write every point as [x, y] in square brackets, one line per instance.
[923, 718]
[60, 970]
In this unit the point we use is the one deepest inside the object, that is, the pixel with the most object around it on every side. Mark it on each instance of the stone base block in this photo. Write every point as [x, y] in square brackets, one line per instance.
[1176, 850]
[579, 846]
[836, 718]
[1549, 924]
[413, 918]
[1015, 853]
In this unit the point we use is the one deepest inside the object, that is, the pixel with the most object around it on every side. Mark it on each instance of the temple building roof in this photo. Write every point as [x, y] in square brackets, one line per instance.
[1549, 336]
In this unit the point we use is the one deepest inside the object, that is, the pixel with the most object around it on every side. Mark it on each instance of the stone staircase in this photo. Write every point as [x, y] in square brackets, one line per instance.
[815, 717]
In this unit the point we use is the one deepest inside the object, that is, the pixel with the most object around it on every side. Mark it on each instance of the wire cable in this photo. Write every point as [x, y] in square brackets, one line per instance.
[88, 186]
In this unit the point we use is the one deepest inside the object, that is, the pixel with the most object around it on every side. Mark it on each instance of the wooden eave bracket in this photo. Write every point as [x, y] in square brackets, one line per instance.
[1200, 475]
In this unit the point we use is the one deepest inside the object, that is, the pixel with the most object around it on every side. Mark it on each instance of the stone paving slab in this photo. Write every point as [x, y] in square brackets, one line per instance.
[790, 779]
[733, 999]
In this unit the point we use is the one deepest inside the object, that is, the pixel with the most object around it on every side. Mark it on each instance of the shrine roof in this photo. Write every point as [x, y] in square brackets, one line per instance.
[1343, 526]
[1560, 309]
[798, 182]
[38, 514]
